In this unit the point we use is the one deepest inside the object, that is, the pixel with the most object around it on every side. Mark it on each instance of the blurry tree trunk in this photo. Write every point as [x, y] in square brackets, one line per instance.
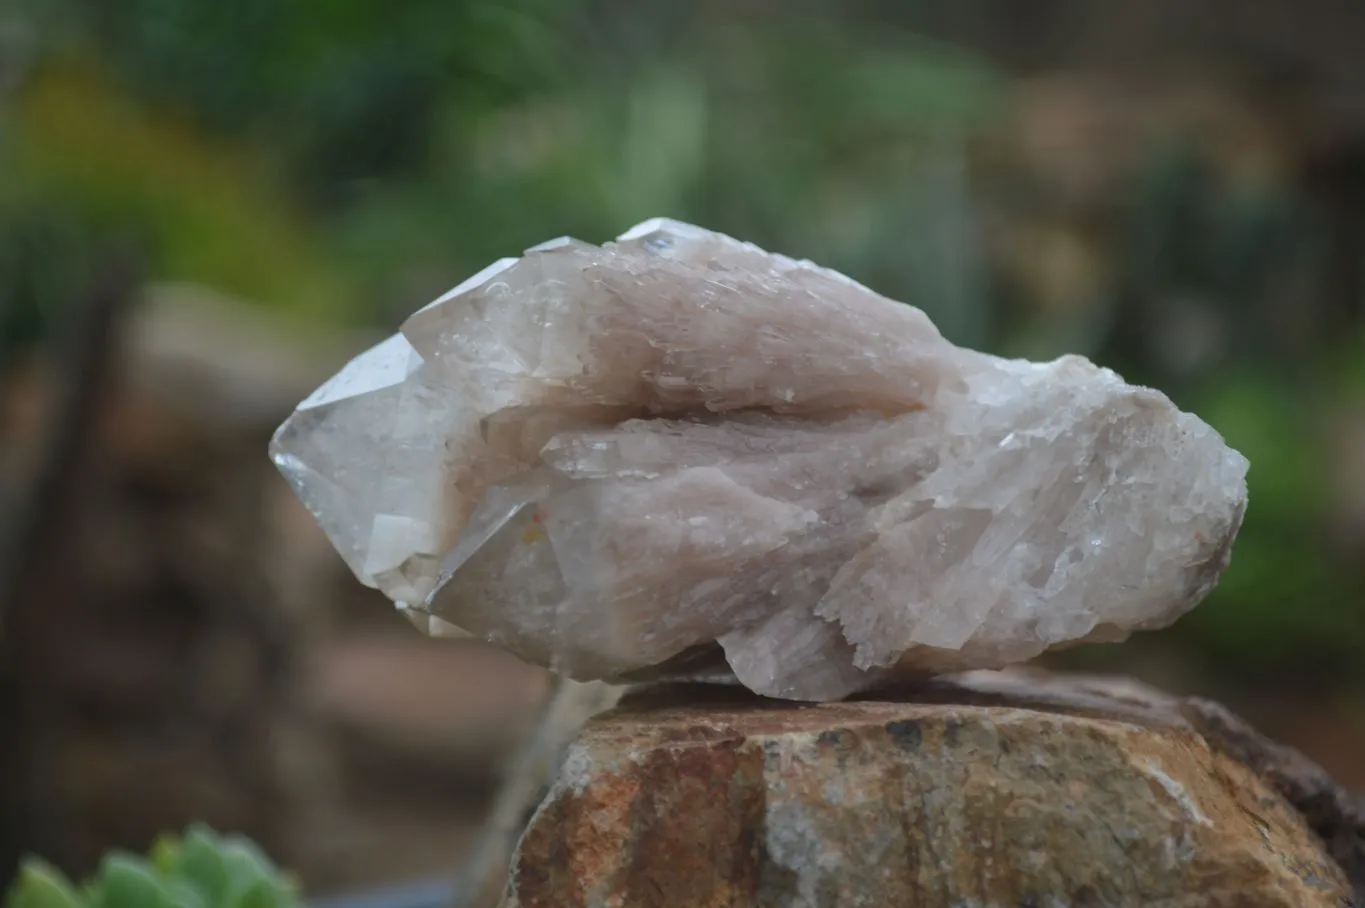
[1337, 178]
[83, 364]
[146, 666]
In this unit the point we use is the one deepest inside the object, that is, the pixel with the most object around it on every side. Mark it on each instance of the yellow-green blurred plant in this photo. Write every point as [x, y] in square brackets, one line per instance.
[203, 211]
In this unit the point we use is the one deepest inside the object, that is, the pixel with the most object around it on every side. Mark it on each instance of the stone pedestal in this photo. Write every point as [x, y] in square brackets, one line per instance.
[988, 789]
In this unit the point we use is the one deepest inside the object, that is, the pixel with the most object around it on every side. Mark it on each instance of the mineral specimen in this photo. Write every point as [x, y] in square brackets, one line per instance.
[645, 456]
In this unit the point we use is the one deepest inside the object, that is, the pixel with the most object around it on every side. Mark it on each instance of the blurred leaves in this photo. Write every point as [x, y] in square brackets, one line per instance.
[46, 253]
[77, 148]
[42, 886]
[1211, 260]
[1214, 309]
[201, 870]
[1282, 601]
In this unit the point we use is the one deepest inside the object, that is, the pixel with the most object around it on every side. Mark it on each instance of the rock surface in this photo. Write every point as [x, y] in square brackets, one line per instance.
[678, 445]
[991, 789]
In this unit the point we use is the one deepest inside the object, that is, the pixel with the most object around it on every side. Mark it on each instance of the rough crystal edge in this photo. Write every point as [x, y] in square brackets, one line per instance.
[667, 225]
[387, 363]
[559, 242]
[473, 282]
[685, 231]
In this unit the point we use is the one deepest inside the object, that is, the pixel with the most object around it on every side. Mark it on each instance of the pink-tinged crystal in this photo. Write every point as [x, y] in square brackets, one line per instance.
[626, 459]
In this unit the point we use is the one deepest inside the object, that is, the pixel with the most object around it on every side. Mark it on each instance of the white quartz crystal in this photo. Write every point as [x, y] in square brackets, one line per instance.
[612, 460]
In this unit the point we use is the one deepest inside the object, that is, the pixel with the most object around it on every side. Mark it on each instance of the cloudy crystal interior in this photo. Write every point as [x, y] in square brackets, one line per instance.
[606, 459]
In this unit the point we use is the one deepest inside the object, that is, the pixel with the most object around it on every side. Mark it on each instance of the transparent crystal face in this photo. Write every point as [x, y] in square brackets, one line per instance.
[608, 458]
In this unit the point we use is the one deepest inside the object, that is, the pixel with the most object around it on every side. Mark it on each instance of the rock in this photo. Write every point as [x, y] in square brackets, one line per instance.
[679, 446]
[1337, 816]
[985, 789]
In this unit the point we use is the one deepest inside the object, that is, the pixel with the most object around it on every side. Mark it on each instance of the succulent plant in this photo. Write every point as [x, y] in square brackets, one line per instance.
[201, 869]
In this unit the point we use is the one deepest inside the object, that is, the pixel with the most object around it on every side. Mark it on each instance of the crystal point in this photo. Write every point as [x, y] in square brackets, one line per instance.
[608, 458]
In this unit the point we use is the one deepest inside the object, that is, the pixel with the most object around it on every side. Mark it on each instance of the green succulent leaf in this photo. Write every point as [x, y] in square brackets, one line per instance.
[164, 854]
[184, 895]
[42, 886]
[261, 894]
[126, 881]
[245, 861]
[200, 870]
[201, 863]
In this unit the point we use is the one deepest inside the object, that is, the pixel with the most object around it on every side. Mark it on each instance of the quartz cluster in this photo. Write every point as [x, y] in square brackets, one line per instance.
[677, 453]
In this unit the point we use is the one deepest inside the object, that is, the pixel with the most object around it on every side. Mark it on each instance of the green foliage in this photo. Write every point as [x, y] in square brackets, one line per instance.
[201, 870]
[198, 209]
[1205, 255]
[1282, 597]
[47, 257]
[1212, 257]
[43, 886]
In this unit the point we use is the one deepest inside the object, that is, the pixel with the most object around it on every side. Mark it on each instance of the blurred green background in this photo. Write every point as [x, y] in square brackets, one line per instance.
[205, 207]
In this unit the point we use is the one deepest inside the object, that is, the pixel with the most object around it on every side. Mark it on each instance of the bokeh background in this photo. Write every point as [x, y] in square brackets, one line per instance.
[206, 207]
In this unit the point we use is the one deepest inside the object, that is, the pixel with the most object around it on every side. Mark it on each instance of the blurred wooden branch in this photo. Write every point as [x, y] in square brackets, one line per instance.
[83, 361]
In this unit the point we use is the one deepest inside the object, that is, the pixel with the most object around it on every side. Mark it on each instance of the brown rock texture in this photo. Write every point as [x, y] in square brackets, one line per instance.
[987, 789]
